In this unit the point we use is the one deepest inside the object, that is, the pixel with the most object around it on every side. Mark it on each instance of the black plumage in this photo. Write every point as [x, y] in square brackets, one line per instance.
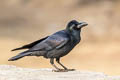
[54, 46]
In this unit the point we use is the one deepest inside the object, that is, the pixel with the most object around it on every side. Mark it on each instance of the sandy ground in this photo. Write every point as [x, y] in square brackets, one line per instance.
[8, 72]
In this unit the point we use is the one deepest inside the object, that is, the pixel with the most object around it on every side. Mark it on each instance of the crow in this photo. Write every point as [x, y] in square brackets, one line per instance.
[54, 46]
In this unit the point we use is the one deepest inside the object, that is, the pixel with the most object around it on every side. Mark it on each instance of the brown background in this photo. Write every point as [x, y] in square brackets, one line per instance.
[24, 21]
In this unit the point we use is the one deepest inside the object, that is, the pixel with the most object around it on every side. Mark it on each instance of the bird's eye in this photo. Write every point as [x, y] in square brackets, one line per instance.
[76, 27]
[72, 26]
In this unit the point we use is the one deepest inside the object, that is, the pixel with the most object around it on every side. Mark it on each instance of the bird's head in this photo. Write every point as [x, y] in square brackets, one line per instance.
[75, 25]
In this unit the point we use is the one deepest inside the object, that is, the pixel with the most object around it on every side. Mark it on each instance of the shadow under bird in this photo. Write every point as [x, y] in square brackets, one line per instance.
[54, 46]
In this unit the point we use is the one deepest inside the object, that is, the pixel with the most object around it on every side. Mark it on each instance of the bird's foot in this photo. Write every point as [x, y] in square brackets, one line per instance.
[60, 70]
[63, 70]
[70, 69]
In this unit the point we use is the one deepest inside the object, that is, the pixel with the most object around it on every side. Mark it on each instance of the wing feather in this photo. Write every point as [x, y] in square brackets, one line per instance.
[28, 46]
[57, 40]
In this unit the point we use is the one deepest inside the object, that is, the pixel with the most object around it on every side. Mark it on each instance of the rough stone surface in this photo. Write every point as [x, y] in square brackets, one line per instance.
[8, 72]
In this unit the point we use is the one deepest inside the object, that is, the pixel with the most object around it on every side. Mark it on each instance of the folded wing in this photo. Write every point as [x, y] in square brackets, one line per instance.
[28, 46]
[57, 40]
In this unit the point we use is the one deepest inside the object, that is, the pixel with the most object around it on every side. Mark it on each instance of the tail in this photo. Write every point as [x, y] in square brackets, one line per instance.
[16, 49]
[19, 48]
[20, 55]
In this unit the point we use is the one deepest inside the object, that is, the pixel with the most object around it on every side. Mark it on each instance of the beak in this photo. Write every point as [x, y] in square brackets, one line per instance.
[82, 24]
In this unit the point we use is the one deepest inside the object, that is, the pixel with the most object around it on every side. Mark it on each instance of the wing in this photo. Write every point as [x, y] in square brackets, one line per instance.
[28, 46]
[57, 40]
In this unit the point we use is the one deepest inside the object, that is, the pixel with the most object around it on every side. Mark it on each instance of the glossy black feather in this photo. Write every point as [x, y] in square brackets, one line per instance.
[56, 45]
[28, 46]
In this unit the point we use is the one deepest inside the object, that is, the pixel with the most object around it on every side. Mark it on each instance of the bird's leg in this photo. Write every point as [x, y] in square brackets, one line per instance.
[65, 68]
[58, 61]
[52, 63]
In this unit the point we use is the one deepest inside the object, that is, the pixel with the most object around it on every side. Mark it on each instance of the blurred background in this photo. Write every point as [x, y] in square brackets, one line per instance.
[24, 21]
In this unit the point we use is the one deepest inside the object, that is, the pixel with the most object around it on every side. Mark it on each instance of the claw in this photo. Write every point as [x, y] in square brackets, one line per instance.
[71, 69]
[63, 70]
[60, 70]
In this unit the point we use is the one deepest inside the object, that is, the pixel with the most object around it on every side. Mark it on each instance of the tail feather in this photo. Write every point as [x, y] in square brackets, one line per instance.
[16, 49]
[26, 53]
[28, 46]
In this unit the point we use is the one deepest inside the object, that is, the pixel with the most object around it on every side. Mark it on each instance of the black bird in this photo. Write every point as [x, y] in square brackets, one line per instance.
[54, 46]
